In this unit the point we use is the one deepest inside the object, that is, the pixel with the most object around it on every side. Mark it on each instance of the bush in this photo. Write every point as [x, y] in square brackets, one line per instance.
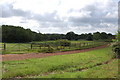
[48, 50]
[116, 49]
[64, 43]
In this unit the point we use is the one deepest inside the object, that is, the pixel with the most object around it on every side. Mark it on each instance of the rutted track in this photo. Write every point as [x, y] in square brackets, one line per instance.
[11, 57]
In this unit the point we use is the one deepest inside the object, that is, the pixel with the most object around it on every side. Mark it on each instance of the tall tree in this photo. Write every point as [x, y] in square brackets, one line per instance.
[89, 37]
[19, 34]
[96, 35]
[103, 35]
[71, 36]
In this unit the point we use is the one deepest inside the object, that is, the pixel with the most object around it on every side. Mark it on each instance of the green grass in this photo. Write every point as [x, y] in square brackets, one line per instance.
[81, 41]
[109, 70]
[59, 63]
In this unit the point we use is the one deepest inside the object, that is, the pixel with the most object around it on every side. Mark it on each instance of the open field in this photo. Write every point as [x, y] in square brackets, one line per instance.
[92, 64]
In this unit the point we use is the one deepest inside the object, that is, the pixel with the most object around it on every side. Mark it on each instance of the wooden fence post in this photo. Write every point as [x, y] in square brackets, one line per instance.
[79, 44]
[87, 44]
[83, 44]
[19, 46]
[4, 46]
[40, 46]
[31, 45]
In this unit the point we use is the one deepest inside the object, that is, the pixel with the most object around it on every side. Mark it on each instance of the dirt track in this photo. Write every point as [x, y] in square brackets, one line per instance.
[10, 57]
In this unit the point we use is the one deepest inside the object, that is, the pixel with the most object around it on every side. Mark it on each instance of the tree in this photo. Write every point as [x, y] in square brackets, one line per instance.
[118, 36]
[16, 34]
[103, 35]
[89, 37]
[71, 36]
[96, 35]
[19, 34]
[110, 36]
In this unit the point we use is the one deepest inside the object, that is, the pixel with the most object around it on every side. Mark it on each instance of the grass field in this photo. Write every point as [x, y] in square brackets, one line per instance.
[109, 70]
[65, 66]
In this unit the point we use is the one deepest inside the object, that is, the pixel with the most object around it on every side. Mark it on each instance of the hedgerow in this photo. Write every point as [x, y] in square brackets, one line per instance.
[116, 49]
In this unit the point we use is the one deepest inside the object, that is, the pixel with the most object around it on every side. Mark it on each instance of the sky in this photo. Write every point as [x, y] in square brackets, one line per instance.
[61, 16]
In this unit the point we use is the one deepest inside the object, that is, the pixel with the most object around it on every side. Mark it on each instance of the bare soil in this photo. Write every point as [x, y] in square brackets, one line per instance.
[11, 57]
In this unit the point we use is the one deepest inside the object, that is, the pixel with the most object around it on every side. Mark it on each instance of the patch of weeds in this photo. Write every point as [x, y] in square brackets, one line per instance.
[6, 52]
[47, 50]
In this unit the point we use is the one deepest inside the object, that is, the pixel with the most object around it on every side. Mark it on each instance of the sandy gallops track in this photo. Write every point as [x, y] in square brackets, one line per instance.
[11, 57]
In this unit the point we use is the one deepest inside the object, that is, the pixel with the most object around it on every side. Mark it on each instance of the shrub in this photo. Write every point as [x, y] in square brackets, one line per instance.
[118, 36]
[48, 50]
[116, 49]
[64, 43]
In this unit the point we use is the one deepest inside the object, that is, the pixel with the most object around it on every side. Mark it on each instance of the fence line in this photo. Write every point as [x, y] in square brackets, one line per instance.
[30, 46]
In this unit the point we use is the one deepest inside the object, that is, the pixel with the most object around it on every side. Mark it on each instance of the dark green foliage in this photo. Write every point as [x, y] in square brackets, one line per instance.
[116, 49]
[48, 50]
[118, 36]
[55, 36]
[116, 45]
[89, 37]
[19, 35]
[96, 36]
[102, 36]
[16, 34]
[71, 36]
[64, 43]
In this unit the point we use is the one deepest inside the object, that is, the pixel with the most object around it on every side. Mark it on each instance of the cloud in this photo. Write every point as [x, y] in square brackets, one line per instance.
[9, 11]
[61, 15]
[96, 15]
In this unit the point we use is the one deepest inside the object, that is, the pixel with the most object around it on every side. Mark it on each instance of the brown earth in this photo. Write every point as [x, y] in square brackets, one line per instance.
[11, 57]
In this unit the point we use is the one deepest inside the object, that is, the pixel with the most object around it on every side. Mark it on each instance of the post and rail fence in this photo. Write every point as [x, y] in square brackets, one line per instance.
[31, 46]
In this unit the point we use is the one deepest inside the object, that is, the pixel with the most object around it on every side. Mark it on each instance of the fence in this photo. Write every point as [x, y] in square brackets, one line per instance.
[33, 46]
[15, 46]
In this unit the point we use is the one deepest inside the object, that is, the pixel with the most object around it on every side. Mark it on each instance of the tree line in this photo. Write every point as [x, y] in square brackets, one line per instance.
[19, 34]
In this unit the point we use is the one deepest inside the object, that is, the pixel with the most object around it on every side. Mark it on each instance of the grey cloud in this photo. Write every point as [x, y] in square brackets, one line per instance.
[48, 19]
[9, 11]
[97, 16]
[61, 25]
